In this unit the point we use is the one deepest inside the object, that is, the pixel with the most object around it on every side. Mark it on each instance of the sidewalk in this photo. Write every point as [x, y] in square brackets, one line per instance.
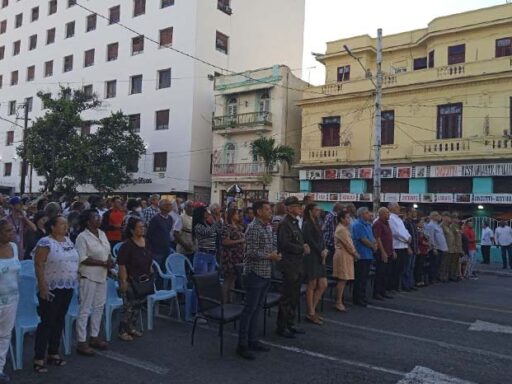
[493, 269]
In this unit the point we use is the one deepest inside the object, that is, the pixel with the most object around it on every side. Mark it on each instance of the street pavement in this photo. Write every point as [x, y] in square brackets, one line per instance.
[449, 333]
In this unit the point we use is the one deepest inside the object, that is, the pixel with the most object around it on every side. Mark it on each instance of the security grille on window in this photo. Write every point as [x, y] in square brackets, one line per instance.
[331, 131]
[449, 121]
[114, 14]
[10, 138]
[134, 121]
[2, 52]
[166, 3]
[14, 77]
[420, 63]
[12, 107]
[70, 29]
[160, 161]
[110, 89]
[88, 90]
[166, 37]
[7, 169]
[387, 128]
[136, 84]
[162, 119]
[52, 7]
[224, 6]
[344, 73]
[137, 45]
[164, 78]
[89, 58]
[50, 36]
[139, 7]
[68, 63]
[504, 47]
[90, 23]
[457, 54]
[222, 42]
[16, 48]
[35, 14]
[48, 68]
[32, 42]
[232, 107]
[112, 51]
[18, 21]
[29, 101]
[31, 72]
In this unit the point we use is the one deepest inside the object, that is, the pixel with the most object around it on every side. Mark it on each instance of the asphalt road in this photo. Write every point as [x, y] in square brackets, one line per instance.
[422, 337]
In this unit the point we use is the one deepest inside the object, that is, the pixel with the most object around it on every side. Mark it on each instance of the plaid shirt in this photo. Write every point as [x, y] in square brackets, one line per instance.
[329, 229]
[259, 243]
[149, 213]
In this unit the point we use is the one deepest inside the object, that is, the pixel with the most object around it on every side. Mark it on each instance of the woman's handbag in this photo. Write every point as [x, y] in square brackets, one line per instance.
[143, 286]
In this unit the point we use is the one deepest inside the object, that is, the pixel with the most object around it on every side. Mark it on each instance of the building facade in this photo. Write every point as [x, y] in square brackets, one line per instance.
[446, 120]
[148, 74]
[253, 104]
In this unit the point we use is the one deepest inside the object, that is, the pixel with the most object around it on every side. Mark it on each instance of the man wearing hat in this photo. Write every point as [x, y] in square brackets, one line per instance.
[290, 243]
[19, 222]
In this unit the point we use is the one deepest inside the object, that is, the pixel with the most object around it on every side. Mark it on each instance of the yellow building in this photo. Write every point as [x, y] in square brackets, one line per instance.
[446, 122]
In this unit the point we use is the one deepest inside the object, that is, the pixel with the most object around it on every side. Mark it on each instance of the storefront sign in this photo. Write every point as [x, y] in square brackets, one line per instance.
[499, 198]
[404, 172]
[445, 171]
[347, 197]
[464, 198]
[410, 197]
[390, 197]
[444, 198]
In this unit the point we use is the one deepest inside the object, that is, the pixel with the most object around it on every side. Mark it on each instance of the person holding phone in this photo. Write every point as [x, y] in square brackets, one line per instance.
[56, 268]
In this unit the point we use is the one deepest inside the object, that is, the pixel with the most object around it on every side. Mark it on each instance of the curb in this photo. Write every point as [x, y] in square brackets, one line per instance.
[494, 273]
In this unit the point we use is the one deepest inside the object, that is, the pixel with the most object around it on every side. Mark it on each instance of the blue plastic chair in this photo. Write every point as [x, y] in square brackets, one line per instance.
[27, 268]
[115, 251]
[176, 266]
[27, 318]
[13, 358]
[71, 317]
[112, 303]
[161, 295]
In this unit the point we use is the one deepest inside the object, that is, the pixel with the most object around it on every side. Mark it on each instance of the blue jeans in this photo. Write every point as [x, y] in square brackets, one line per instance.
[256, 289]
[204, 263]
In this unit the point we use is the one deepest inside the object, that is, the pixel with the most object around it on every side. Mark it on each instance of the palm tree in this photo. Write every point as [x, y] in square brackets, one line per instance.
[271, 154]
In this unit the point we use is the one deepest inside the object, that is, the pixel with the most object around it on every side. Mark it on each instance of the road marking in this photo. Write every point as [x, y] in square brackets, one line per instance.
[134, 362]
[422, 375]
[424, 340]
[484, 326]
[456, 304]
[419, 315]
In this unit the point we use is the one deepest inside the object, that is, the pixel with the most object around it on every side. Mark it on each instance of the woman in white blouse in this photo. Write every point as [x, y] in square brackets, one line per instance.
[94, 251]
[56, 264]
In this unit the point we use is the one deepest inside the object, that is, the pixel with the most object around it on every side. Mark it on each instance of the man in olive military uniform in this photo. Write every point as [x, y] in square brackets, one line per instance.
[290, 244]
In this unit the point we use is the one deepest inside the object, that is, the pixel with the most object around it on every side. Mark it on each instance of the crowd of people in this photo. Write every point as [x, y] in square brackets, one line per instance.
[72, 245]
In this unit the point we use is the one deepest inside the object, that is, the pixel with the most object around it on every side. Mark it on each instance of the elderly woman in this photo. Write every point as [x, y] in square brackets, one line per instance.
[135, 264]
[10, 268]
[206, 229]
[94, 251]
[56, 265]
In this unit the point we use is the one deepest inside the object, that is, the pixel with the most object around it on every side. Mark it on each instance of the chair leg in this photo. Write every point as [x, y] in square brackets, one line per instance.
[108, 324]
[13, 358]
[19, 349]
[221, 334]
[265, 310]
[178, 314]
[150, 309]
[194, 330]
[298, 312]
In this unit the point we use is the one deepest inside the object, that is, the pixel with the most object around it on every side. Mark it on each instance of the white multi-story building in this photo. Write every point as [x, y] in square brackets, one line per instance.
[169, 95]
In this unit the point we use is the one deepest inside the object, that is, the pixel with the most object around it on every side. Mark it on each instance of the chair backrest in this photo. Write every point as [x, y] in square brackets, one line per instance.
[27, 305]
[209, 291]
[112, 289]
[27, 268]
[115, 251]
[177, 264]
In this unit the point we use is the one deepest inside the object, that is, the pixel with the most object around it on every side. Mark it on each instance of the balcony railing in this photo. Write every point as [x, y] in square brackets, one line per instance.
[448, 71]
[242, 120]
[241, 169]
[325, 155]
[487, 146]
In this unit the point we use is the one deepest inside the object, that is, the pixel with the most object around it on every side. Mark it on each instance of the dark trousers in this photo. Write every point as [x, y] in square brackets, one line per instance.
[403, 261]
[393, 274]
[435, 264]
[419, 269]
[256, 288]
[52, 315]
[486, 253]
[290, 291]
[381, 275]
[506, 250]
[362, 269]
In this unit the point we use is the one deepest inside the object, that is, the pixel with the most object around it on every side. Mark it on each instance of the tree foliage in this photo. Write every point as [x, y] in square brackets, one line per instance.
[58, 151]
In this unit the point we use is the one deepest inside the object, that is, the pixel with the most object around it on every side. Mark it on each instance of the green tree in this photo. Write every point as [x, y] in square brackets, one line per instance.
[58, 151]
[271, 154]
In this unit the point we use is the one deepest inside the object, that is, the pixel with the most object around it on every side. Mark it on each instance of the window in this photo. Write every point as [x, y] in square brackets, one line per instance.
[3, 26]
[68, 63]
[164, 78]
[457, 54]
[52, 7]
[344, 73]
[35, 14]
[12, 107]
[166, 37]
[264, 105]
[85, 129]
[232, 107]
[89, 58]
[90, 23]
[135, 84]
[1, 81]
[16, 48]
[7, 169]
[222, 42]
[133, 164]
[134, 122]
[162, 119]
[48, 68]
[70, 29]
[166, 3]
[18, 21]
[387, 129]
[449, 121]
[10, 138]
[30, 102]
[71, 3]
[31, 73]
[112, 51]
[88, 92]
[159, 161]
[114, 14]
[32, 42]
[331, 131]
[110, 89]
[420, 63]
[510, 111]
[137, 45]
[5, 3]
[504, 47]
[224, 6]
[139, 7]
[50, 36]
[14, 77]
[431, 62]
[2, 52]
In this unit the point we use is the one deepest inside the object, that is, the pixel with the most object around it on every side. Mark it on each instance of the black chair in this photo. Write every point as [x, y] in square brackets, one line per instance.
[211, 305]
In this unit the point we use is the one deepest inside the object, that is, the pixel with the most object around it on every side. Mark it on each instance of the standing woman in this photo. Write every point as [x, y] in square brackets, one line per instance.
[344, 257]
[56, 265]
[233, 243]
[33, 236]
[314, 262]
[9, 295]
[94, 251]
[135, 264]
[205, 229]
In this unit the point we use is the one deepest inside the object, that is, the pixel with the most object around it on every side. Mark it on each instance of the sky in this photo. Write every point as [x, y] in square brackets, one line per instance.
[328, 20]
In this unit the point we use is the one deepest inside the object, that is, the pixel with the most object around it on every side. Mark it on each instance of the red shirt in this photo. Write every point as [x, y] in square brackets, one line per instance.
[382, 230]
[470, 235]
[115, 219]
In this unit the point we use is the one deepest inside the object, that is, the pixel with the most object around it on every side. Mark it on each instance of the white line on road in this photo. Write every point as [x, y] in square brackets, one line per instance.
[134, 362]
[456, 304]
[419, 315]
[422, 375]
[484, 326]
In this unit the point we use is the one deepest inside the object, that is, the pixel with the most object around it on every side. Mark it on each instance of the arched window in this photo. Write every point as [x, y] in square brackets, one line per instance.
[230, 153]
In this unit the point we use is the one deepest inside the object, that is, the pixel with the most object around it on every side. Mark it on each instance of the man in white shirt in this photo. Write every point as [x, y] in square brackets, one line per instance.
[403, 251]
[486, 241]
[503, 238]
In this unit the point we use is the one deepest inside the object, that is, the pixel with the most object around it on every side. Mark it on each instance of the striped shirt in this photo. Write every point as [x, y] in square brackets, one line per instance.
[259, 243]
[206, 236]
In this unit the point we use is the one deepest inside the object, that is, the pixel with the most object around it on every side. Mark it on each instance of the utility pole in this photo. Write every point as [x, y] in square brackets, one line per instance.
[377, 127]
[24, 156]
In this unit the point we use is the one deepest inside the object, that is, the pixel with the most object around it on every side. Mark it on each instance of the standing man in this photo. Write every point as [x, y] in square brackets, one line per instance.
[159, 232]
[503, 238]
[112, 221]
[364, 241]
[329, 228]
[152, 210]
[385, 253]
[411, 224]
[469, 232]
[290, 243]
[451, 242]
[259, 255]
[184, 237]
[438, 246]
[486, 242]
[18, 219]
[401, 245]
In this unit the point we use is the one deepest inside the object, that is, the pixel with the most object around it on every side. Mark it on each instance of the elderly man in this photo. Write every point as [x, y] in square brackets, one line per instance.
[438, 245]
[401, 246]
[364, 241]
[384, 255]
[152, 210]
[411, 224]
[185, 243]
[159, 232]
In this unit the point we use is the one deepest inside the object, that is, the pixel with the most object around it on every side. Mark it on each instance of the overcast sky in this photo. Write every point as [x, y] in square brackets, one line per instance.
[328, 20]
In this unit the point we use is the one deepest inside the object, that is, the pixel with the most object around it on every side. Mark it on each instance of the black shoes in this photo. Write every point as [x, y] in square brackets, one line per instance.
[297, 331]
[245, 353]
[258, 347]
[387, 296]
[286, 333]
[378, 297]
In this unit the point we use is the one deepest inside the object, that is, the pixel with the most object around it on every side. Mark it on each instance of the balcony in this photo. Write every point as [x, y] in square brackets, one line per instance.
[241, 169]
[325, 155]
[243, 123]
